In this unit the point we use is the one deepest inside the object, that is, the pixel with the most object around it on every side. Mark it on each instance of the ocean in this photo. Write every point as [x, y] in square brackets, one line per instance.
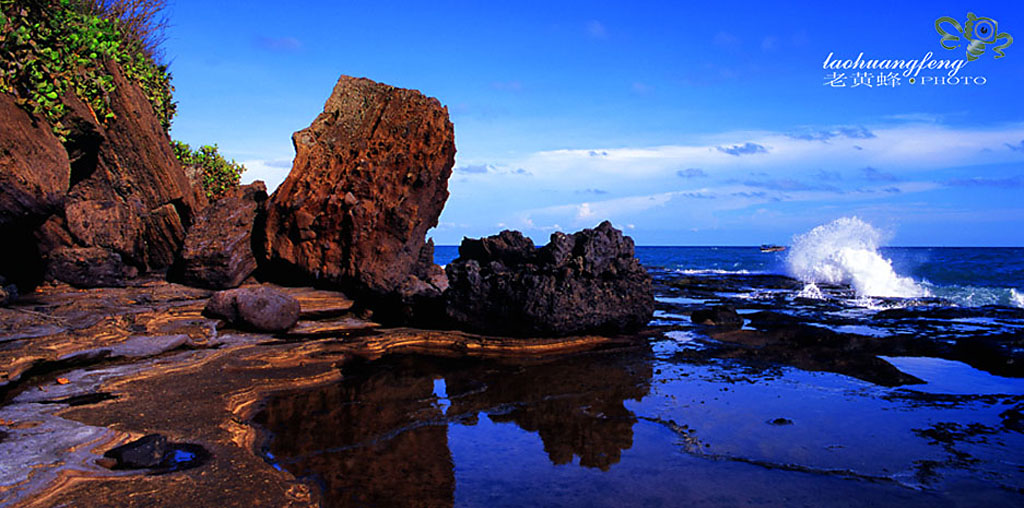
[968, 276]
[848, 253]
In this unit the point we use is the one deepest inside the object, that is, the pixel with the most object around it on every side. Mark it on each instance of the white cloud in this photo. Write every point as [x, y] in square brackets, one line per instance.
[269, 171]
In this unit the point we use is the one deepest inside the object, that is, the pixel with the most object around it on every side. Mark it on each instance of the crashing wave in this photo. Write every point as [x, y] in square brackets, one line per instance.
[845, 251]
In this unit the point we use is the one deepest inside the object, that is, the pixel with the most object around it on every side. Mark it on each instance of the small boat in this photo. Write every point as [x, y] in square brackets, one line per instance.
[772, 248]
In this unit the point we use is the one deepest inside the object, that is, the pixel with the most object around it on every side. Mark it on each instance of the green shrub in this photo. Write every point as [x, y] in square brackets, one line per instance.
[216, 173]
[51, 47]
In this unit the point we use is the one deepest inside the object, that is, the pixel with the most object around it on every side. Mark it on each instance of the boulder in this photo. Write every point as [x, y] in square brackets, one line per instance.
[723, 316]
[218, 250]
[589, 281]
[256, 308]
[370, 177]
[87, 267]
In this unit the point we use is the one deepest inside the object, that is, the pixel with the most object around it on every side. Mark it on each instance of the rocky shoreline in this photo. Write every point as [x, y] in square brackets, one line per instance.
[144, 328]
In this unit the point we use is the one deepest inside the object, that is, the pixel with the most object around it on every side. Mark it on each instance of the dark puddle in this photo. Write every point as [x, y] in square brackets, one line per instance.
[154, 455]
[635, 427]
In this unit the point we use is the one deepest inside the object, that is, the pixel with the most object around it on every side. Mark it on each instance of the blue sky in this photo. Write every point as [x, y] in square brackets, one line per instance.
[696, 124]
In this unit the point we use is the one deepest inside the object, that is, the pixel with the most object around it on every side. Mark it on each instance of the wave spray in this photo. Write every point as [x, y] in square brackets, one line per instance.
[845, 251]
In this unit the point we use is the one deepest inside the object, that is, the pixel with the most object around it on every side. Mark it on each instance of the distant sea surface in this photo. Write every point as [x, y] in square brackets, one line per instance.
[966, 276]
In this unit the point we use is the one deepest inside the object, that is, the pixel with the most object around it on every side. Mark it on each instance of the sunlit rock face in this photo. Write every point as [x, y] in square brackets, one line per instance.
[370, 178]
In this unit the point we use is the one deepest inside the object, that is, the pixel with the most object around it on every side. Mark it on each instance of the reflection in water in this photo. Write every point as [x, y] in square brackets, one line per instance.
[381, 436]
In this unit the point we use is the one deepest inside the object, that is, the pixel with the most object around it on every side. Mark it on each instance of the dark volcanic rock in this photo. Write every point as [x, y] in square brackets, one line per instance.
[587, 281]
[156, 453]
[257, 308]
[218, 250]
[724, 316]
[370, 178]
[145, 452]
[87, 267]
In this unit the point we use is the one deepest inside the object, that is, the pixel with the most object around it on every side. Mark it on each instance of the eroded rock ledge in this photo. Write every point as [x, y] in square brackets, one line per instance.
[84, 371]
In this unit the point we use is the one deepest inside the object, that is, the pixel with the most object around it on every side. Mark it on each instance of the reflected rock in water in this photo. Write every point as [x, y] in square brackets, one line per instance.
[381, 436]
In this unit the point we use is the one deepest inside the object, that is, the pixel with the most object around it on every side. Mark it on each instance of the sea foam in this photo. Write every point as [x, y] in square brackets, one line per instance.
[1017, 298]
[845, 251]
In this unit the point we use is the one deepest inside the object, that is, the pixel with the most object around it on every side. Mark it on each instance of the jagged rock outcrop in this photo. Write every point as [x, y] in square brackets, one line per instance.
[587, 281]
[115, 186]
[258, 308]
[370, 177]
[218, 250]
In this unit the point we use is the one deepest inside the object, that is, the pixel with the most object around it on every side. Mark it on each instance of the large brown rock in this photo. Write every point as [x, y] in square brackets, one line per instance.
[370, 177]
[128, 192]
[34, 168]
[34, 176]
[589, 281]
[218, 250]
[115, 186]
[258, 308]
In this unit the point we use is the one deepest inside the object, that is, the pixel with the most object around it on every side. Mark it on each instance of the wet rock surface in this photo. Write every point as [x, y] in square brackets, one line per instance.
[258, 308]
[837, 333]
[723, 316]
[218, 250]
[587, 281]
[85, 371]
[347, 403]
[370, 177]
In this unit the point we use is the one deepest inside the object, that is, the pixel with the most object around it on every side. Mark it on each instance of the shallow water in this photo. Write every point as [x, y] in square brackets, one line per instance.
[636, 427]
[681, 419]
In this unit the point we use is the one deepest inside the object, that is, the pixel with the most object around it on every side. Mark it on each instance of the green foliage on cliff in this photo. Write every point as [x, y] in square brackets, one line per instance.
[51, 47]
[217, 174]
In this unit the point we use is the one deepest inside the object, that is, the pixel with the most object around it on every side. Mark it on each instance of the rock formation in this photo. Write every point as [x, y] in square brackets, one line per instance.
[258, 308]
[35, 166]
[34, 175]
[723, 316]
[87, 267]
[218, 250]
[114, 186]
[370, 177]
[587, 281]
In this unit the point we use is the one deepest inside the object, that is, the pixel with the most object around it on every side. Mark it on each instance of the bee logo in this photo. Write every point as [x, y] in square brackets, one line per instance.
[978, 32]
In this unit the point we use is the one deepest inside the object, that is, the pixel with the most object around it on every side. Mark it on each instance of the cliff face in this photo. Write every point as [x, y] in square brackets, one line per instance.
[370, 178]
[115, 186]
